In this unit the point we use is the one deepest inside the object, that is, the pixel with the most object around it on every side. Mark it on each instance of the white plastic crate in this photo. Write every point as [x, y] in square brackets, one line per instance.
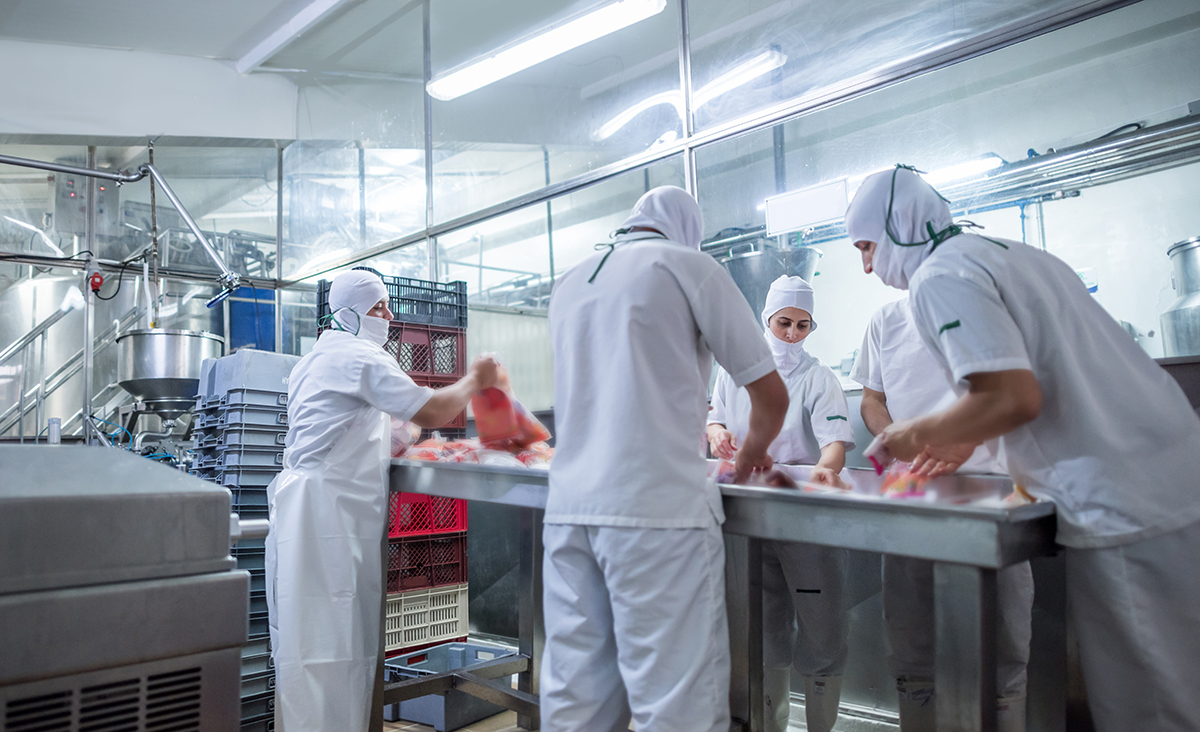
[424, 616]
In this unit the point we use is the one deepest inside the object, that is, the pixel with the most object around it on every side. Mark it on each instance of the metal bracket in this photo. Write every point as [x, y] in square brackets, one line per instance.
[478, 680]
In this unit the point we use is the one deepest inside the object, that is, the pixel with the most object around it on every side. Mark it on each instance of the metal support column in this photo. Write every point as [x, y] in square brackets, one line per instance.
[743, 592]
[965, 611]
[89, 310]
[530, 627]
[685, 85]
[278, 249]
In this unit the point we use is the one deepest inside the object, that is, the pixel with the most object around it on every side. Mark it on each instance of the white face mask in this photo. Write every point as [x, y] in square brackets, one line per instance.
[888, 264]
[374, 330]
[787, 355]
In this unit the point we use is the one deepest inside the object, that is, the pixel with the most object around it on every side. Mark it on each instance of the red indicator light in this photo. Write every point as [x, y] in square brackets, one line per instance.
[101, 187]
[72, 194]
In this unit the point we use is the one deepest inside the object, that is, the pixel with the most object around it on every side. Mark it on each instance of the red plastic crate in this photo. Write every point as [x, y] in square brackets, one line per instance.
[414, 514]
[428, 350]
[417, 562]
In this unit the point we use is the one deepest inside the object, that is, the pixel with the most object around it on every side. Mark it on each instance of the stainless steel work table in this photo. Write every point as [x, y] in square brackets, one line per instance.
[963, 525]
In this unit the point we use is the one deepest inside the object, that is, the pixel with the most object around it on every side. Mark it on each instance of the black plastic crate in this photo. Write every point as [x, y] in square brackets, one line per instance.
[415, 301]
[258, 706]
[259, 683]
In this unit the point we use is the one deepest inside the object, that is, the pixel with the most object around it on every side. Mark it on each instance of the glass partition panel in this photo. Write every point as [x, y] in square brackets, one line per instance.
[748, 56]
[342, 198]
[997, 135]
[230, 192]
[504, 261]
[34, 218]
[594, 104]
[299, 314]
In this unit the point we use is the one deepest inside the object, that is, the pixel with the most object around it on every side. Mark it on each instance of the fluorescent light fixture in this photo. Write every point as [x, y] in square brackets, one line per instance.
[543, 44]
[739, 75]
[39, 232]
[316, 262]
[806, 207]
[723, 84]
[966, 169]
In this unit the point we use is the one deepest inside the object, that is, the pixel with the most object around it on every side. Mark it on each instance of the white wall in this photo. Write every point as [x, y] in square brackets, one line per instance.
[73, 90]
[522, 344]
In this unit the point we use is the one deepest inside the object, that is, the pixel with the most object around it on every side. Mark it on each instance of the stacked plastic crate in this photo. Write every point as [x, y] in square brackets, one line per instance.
[427, 552]
[239, 429]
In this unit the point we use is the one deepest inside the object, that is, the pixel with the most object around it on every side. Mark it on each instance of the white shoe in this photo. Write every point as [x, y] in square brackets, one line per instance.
[777, 694]
[1010, 714]
[917, 705]
[821, 697]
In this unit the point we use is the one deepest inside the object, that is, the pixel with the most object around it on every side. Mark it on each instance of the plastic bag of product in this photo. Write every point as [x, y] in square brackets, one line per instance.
[536, 456]
[502, 421]
[404, 435]
[902, 482]
[498, 458]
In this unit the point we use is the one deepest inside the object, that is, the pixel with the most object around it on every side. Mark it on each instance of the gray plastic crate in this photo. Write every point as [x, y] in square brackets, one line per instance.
[243, 414]
[255, 397]
[454, 709]
[246, 369]
[238, 456]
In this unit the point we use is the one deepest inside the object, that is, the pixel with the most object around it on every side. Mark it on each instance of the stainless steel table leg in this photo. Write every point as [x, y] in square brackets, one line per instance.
[965, 609]
[530, 628]
[376, 724]
[743, 602]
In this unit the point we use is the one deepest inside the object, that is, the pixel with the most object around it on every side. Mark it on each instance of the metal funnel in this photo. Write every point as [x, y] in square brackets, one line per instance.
[756, 269]
[162, 367]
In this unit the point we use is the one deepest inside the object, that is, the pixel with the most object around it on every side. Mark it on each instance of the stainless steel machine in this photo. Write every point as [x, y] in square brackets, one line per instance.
[1181, 322]
[755, 265]
[120, 607]
[162, 369]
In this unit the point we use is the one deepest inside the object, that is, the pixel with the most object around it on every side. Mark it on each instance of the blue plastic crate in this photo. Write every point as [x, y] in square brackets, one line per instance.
[454, 709]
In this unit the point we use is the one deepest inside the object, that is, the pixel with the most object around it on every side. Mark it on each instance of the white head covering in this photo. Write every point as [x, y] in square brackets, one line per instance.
[787, 292]
[918, 213]
[671, 210]
[357, 290]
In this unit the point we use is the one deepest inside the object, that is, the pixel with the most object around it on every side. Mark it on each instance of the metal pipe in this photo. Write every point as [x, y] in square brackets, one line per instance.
[141, 437]
[89, 310]
[122, 176]
[228, 279]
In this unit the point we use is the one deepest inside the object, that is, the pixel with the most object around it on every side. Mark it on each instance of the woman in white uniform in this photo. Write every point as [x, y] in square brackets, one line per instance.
[634, 563]
[805, 620]
[328, 508]
[902, 380]
[1086, 419]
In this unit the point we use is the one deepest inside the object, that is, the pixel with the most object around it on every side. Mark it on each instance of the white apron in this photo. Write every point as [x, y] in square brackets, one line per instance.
[324, 568]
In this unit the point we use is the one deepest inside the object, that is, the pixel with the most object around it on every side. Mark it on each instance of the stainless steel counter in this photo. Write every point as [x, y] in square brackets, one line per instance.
[963, 524]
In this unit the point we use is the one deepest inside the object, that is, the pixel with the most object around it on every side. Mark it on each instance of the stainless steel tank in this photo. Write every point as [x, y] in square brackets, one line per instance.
[756, 268]
[162, 367]
[1181, 322]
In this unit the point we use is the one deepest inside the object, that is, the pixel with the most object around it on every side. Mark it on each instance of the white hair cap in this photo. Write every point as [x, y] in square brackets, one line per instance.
[357, 290]
[788, 292]
[672, 211]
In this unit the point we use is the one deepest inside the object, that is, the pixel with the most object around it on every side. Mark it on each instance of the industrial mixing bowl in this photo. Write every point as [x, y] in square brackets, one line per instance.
[755, 270]
[162, 367]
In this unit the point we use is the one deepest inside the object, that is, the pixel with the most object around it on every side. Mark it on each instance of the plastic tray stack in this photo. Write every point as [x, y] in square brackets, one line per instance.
[238, 442]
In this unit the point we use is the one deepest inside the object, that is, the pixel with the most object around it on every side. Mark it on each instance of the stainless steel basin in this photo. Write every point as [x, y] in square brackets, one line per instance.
[162, 367]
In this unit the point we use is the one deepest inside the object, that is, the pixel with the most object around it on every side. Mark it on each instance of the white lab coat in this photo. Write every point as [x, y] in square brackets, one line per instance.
[1114, 448]
[328, 512]
[894, 360]
[805, 619]
[634, 565]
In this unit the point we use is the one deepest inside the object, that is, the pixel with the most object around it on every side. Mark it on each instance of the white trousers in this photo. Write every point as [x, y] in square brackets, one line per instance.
[805, 620]
[1136, 610]
[635, 627]
[909, 616]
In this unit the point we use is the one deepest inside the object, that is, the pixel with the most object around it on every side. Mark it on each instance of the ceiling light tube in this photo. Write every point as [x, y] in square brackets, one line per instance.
[543, 44]
[723, 84]
[968, 169]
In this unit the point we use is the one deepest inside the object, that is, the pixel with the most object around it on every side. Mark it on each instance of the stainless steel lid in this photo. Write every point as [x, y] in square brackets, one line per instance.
[75, 516]
[1185, 244]
[168, 331]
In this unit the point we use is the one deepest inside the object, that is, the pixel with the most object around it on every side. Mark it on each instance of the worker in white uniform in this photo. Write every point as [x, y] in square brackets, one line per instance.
[1086, 420]
[634, 564]
[902, 380]
[805, 619]
[328, 508]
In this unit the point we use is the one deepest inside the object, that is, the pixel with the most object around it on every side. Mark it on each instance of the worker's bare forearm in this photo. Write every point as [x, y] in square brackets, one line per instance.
[446, 403]
[874, 411]
[833, 456]
[997, 403]
[768, 407]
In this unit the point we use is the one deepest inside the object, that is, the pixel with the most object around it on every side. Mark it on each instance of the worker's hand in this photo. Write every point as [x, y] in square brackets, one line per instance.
[942, 460]
[902, 441]
[747, 461]
[722, 442]
[486, 372]
[825, 476]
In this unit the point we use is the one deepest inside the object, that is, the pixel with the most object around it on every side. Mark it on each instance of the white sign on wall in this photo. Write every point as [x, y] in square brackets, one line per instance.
[806, 207]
